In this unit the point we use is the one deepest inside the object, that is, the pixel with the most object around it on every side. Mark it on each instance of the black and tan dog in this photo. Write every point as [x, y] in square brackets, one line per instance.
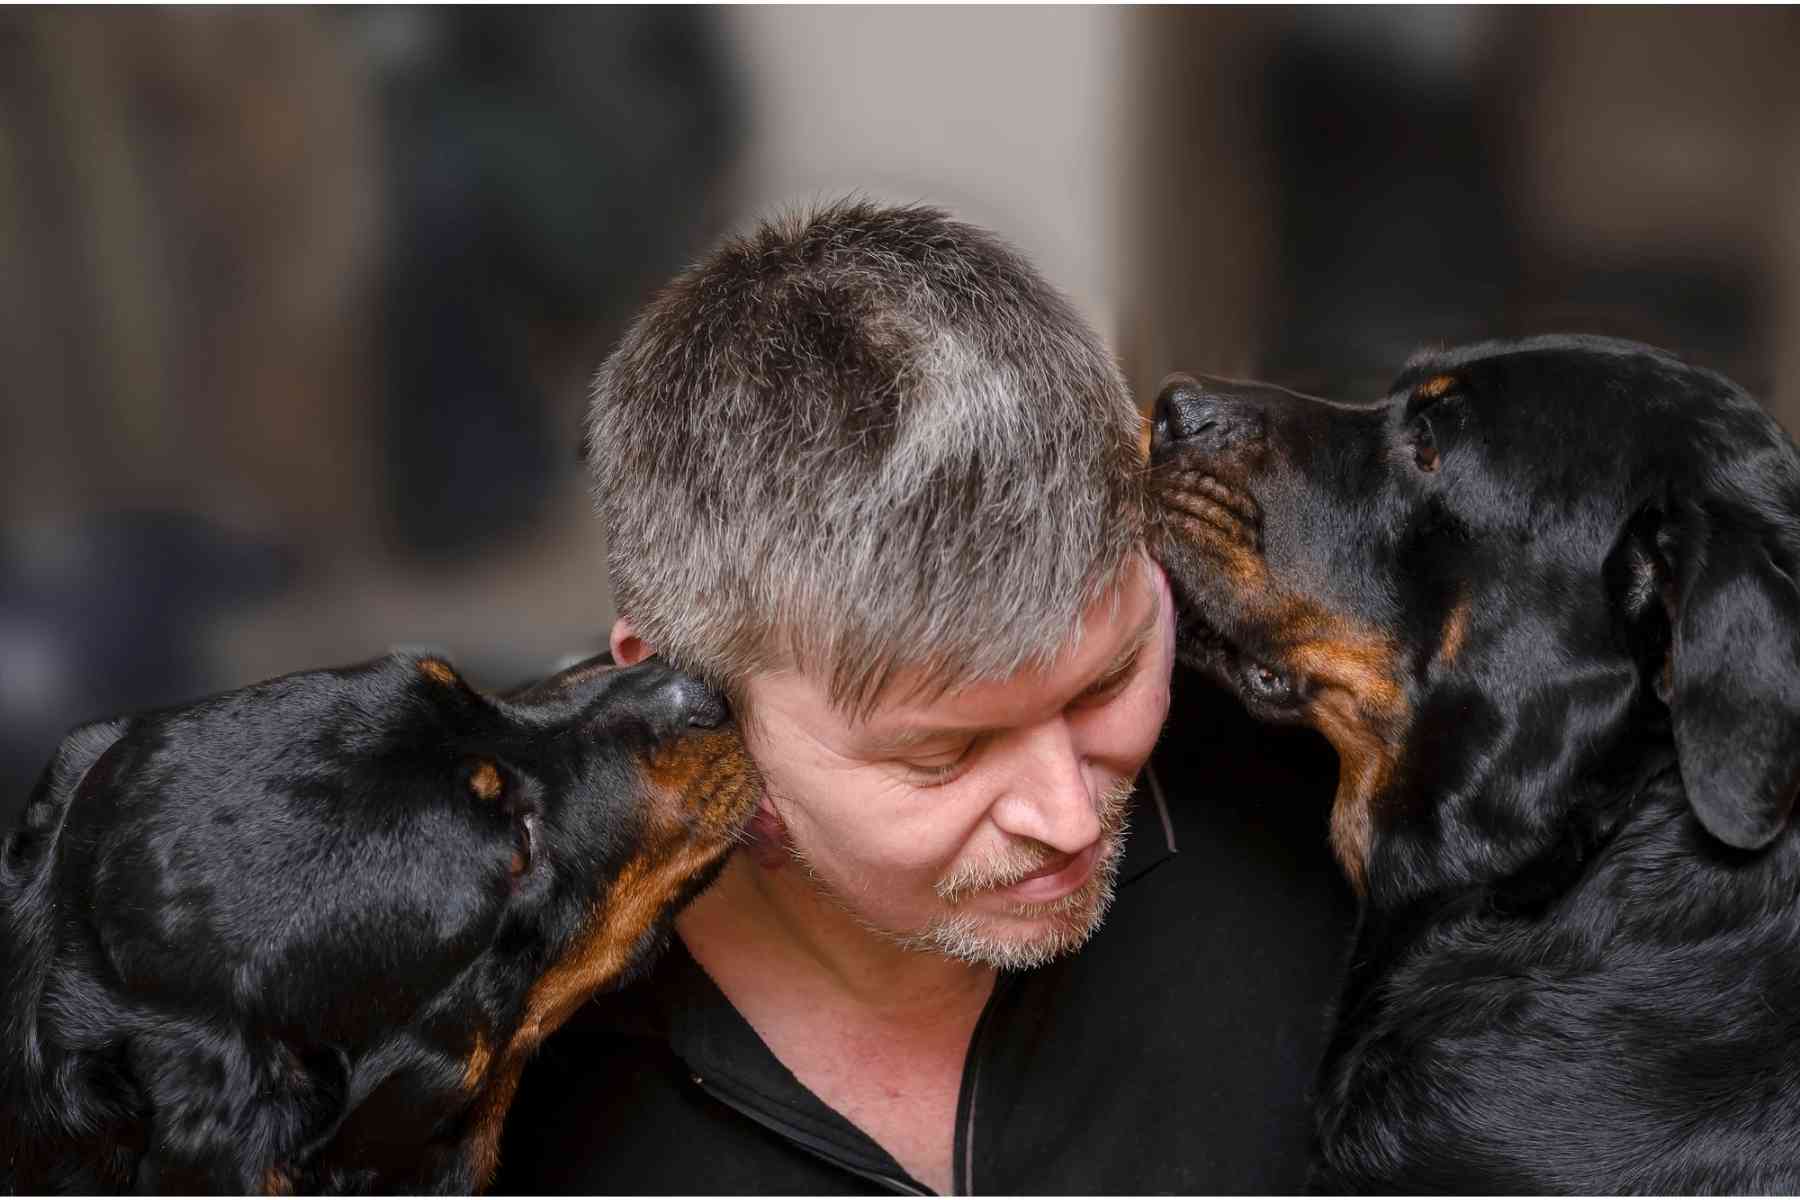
[302, 936]
[1542, 599]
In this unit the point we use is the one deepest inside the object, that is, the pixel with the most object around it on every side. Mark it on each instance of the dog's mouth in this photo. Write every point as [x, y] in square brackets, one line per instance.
[1211, 550]
[1211, 507]
[706, 785]
[1198, 641]
[1270, 692]
[1212, 554]
[1287, 656]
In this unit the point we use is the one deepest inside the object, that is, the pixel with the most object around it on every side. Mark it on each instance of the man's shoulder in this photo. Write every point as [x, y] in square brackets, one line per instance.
[602, 1110]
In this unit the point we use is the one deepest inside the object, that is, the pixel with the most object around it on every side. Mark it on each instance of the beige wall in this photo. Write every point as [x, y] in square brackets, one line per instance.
[1010, 117]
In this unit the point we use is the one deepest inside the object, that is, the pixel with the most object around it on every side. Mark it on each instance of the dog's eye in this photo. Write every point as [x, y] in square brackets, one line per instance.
[1268, 684]
[1425, 451]
[524, 834]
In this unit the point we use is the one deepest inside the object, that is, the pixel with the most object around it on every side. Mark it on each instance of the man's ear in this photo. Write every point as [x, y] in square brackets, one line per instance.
[628, 649]
[1735, 671]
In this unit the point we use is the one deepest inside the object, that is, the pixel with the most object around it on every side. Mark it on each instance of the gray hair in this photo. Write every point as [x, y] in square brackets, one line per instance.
[862, 441]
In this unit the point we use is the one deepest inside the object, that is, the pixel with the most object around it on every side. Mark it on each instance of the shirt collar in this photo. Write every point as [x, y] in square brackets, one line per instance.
[678, 1002]
[1151, 841]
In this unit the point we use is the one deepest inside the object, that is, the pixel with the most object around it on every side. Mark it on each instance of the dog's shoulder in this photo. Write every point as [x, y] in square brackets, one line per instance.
[1482, 1019]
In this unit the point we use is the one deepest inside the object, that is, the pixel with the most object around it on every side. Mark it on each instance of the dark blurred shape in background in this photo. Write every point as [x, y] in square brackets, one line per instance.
[1397, 176]
[109, 614]
[298, 302]
[1394, 222]
[297, 306]
[545, 166]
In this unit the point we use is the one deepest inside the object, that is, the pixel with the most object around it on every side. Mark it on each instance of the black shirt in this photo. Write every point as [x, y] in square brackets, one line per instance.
[1173, 1053]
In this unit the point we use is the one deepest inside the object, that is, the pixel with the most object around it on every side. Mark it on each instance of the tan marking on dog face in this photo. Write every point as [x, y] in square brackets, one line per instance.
[1351, 669]
[1356, 699]
[1360, 706]
[485, 781]
[438, 671]
[275, 1182]
[1201, 515]
[487, 1117]
[1454, 635]
[699, 793]
[1437, 385]
[481, 1056]
[703, 783]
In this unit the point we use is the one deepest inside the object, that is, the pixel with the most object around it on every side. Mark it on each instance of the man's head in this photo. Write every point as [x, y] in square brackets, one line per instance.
[867, 472]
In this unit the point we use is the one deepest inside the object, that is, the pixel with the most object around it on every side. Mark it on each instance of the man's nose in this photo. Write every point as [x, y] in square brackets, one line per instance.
[1201, 413]
[1049, 800]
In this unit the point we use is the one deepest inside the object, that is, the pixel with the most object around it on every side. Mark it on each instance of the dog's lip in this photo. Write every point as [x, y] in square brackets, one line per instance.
[1193, 624]
[1201, 643]
[1227, 478]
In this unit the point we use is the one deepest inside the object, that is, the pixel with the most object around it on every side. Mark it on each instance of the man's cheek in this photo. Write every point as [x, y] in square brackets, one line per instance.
[1164, 666]
[869, 843]
[909, 861]
[1157, 711]
[1124, 732]
[1162, 670]
[1145, 724]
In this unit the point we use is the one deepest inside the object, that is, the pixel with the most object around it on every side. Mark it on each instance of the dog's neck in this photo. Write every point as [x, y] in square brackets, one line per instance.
[1440, 851]
[1637, 839]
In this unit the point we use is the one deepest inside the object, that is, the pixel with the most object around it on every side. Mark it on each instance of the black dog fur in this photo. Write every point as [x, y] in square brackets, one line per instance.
[302, 936]
[1542, 599]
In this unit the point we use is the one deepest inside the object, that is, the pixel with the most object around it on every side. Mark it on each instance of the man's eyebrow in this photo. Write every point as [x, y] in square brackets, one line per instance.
[898, 743]
[1122, 665]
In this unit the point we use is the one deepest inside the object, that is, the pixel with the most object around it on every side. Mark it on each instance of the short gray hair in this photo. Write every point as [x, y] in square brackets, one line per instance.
[859, 441]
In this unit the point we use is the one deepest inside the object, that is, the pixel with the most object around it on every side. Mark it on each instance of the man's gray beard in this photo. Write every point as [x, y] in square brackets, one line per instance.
[1073, 919]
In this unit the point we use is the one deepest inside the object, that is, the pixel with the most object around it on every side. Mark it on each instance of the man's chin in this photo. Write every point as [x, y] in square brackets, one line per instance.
[1021, 937]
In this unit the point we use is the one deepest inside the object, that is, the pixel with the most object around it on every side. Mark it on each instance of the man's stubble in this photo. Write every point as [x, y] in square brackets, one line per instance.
[972, 937]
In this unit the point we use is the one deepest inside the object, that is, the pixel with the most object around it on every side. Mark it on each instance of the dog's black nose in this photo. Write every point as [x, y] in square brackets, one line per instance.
[1183, 409]
[705, 708]
[666, 699]
[651, 696]
[1206, 414]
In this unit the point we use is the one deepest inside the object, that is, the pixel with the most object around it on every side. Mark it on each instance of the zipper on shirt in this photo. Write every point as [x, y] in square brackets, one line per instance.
[962, 1153]
[902, 1187]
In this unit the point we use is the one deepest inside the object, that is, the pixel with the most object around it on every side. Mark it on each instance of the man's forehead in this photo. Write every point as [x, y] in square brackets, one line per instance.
[1114, 627]
[1099, 651]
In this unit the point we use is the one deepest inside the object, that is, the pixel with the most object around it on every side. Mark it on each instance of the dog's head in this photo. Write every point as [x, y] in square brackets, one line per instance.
[1498, 591]
[303, 935]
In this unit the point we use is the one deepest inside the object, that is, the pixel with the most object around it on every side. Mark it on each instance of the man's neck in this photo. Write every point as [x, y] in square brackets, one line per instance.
[877, 1032]
[771, 923]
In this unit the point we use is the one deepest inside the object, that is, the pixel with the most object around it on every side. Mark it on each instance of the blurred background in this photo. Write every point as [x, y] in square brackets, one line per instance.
[297, 307]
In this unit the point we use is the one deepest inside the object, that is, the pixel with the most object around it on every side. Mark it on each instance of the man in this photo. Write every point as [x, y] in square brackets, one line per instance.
[866, 471]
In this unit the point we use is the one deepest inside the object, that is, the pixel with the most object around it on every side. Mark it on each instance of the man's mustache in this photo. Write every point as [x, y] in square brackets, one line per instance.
[1026, 857]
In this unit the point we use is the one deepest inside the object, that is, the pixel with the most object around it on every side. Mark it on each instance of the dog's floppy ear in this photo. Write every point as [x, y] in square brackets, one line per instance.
[1734, 700]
